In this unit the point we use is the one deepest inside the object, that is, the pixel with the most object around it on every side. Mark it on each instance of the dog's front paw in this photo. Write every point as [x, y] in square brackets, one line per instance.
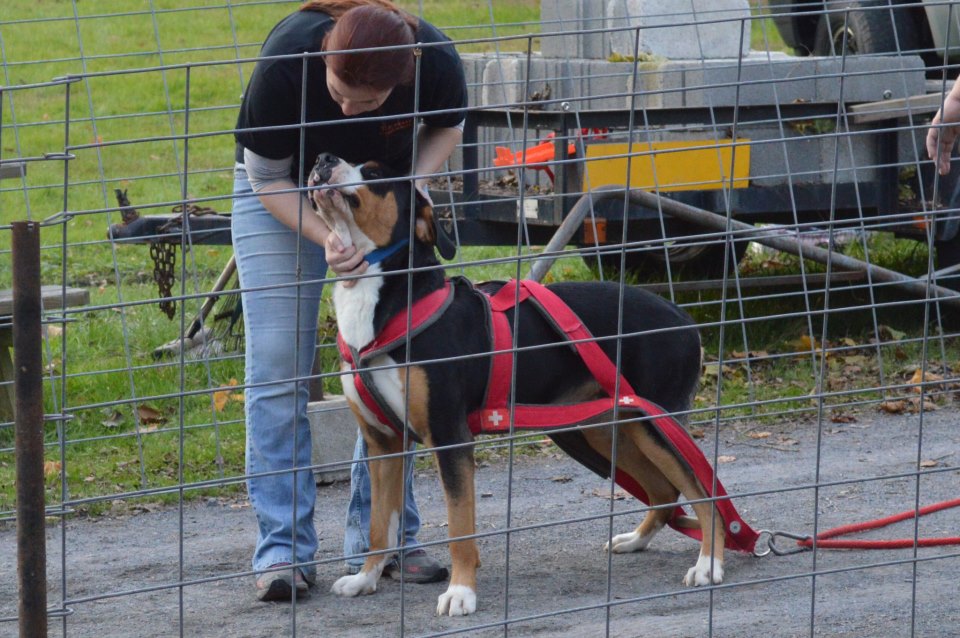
[458, 600]
[626, 543]
[700, 574]
[355, 585]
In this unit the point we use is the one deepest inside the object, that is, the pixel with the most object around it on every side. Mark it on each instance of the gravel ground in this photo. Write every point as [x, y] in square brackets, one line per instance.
[557, 580]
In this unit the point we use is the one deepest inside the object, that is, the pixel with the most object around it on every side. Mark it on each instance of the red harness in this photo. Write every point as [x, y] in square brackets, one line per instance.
[495, 415]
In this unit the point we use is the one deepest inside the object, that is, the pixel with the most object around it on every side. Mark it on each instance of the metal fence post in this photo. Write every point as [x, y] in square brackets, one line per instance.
[28, 430]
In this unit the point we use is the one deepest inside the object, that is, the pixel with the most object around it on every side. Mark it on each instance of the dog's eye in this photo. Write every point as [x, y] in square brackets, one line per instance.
[373, 173]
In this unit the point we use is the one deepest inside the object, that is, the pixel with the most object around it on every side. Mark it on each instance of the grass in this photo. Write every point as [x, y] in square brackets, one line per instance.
[130, 429]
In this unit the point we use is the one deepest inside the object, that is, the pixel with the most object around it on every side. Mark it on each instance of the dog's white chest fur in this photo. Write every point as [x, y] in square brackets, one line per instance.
[355, 307]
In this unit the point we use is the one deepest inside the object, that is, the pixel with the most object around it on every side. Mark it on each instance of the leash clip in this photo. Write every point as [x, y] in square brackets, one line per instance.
[771, 544]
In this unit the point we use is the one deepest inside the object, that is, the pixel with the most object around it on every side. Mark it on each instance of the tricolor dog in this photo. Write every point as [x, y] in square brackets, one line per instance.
[434, 386]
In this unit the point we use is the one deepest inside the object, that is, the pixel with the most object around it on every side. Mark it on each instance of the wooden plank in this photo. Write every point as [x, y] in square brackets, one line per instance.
[52, 296]
[892, 109]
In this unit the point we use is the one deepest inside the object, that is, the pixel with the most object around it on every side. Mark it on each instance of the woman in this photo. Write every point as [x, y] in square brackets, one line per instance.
[346, 100]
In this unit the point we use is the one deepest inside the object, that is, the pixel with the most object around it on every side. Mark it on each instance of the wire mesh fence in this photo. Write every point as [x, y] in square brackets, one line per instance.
[761, 166]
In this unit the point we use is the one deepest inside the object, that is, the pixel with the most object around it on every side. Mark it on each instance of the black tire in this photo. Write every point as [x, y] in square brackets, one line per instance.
[866, 26]
[689, 259]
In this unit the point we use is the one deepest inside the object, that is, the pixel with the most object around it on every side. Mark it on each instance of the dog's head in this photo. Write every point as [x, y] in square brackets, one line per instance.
[369, 206]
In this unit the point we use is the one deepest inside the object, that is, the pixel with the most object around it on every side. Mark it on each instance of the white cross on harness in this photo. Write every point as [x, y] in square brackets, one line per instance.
[495, 417]
[626, 400]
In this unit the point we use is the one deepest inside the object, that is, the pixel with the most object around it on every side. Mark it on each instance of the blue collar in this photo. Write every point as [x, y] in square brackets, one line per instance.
[378, 255]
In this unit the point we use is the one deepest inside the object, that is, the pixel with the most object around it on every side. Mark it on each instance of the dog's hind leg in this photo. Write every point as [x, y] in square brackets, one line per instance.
[386, 504]
[659, 490]
[709, 567]
[457, 473]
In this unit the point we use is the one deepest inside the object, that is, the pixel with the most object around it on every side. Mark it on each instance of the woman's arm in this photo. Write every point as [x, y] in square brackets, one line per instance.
[434, 147]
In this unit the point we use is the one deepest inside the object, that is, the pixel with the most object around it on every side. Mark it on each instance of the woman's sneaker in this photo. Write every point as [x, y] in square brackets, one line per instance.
[281, 584]
[418, 567]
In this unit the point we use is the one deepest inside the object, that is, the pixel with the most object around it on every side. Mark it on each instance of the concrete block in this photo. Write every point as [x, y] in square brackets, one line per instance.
[682, 29]
[755, 79]
[565, 27]
[333, 433]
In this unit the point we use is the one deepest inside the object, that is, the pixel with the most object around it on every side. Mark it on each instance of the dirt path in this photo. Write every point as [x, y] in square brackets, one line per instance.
[558, 576]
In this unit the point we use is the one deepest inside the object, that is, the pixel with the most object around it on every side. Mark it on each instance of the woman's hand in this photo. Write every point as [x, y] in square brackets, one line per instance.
[344, 261]
[940, 140]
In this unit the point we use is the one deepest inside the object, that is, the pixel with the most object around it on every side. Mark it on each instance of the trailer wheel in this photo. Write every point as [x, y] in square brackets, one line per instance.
[867, 26]
[692, 259]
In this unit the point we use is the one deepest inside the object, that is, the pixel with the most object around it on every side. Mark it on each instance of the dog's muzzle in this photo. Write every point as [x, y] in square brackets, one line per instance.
[323, 169]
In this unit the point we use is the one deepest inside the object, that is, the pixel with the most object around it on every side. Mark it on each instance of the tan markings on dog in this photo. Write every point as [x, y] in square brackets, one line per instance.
[461, 512]
[418, 408]
[386, 491]
[424, 227]
[376, 216]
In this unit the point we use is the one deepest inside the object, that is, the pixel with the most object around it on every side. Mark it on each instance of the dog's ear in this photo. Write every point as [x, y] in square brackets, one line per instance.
[428, 229]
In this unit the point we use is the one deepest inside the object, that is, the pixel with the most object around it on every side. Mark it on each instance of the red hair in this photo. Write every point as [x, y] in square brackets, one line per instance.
[368, 24]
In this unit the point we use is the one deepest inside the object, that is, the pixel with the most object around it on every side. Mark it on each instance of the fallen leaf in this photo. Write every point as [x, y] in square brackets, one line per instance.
[929, 463]
[220, 399]
[919, 377]
[927, 405]
[51, 468]
[752, 354]
[618, 494]
[838, 417]
[114, 420]
[726, 459]
[54, 331]
[561, 479]
[759, 435]
[149, 414]
[893, 407]
[896, 335]
[713, 369]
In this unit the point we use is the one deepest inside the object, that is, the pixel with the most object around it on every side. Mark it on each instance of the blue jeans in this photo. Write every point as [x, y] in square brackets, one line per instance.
[280, 328]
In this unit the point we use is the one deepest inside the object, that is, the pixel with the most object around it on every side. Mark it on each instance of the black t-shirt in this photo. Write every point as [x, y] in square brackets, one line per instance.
[273, 99]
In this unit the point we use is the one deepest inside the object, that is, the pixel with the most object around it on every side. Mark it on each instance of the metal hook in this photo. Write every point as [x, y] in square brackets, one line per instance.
[771, 543]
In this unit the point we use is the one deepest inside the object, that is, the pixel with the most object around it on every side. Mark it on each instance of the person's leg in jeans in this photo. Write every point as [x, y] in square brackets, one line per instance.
[268, 256]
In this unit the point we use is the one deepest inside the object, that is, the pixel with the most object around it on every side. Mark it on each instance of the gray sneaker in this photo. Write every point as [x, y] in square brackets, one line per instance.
[418, 567]
[281, 584]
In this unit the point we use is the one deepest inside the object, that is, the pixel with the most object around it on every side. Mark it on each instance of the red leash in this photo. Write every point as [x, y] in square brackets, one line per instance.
[828, 539]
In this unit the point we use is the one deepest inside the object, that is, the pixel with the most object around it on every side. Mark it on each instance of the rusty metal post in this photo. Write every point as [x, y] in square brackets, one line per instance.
[28, 430]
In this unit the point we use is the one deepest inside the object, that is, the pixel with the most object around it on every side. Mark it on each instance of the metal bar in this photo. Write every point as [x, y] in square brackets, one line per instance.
[28, 429]
[704, 218]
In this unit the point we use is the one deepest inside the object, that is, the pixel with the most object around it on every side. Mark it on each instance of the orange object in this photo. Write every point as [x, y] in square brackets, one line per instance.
[539, 154]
